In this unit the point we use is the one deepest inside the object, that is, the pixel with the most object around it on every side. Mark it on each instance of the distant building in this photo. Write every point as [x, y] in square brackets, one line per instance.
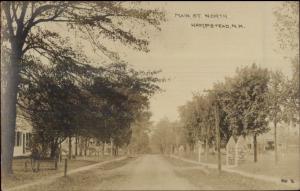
[287, 138]
[92, 147]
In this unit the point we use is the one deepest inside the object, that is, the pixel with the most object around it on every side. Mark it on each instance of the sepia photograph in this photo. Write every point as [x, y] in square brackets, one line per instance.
[146, 95]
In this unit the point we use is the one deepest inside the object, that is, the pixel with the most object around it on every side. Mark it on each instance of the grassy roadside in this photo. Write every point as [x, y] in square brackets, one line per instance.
[223, 181]
[287, 167]
[22, 176]
[85, 180]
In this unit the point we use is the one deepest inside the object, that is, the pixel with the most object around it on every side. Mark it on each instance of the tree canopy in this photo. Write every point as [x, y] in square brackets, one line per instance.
[28, 34]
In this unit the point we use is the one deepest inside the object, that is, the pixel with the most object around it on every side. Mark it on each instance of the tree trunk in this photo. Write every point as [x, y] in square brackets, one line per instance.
[275, 142]
[103, 148]
[115, 150]
[191, 148]
[9, 89]
[85, 146]
[53, 151]
[70, 148]
[76, 145]
[80, 146]
[255, 147]
[60, 153]
[111, 146]
[206, 148]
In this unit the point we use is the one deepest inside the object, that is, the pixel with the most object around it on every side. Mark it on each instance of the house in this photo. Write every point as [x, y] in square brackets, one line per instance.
[287, 138]
[23, 136]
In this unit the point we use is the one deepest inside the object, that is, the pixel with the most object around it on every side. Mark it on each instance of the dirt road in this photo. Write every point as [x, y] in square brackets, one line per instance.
[149, 172]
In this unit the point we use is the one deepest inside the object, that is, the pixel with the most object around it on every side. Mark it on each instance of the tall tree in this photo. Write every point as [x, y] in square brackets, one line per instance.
[52, 101]
[162, 137]
[190, 120]
[248, 103]
[287, 28]
[139, 142]
[198, 117]
[25, 32]
[126, 93]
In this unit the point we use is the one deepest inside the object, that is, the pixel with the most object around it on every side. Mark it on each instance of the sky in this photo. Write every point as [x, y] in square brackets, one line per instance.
[194, 58]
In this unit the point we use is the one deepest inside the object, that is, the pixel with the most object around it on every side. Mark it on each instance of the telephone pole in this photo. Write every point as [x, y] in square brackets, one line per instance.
[218, 139]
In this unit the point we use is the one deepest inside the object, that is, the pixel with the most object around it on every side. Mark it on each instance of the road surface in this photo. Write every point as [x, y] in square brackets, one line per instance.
[148, 172]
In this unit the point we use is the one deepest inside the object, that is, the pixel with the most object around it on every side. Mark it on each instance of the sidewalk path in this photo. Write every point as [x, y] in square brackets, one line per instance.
[52, 178]
[276, 180]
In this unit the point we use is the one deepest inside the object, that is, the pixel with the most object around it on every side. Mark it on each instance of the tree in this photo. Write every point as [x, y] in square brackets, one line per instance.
[242, 108]
[162, 138]
[247, 102]
[62, 104]
[52, 102]
[126, 93]
[287, 28]
[25, 33]
[139, 142]
[216, 102]
[198, 118]
[179, 134]
[191, 121]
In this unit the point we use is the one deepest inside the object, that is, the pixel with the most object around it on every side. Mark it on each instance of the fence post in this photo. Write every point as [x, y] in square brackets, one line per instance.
[66, 167]
[26, 166]
[38, 164]
[199, 150]
[55, 163]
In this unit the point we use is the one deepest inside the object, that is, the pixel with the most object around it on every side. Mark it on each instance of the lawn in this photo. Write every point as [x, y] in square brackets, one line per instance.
[22, 176]
[211, 158]
[85, 180]
[287, 167]
[223, 181]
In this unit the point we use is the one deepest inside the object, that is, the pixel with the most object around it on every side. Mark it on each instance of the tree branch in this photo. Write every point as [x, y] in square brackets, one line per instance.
[6, 7]
[14, 10]
[30, 23]
[23, 12]
[57, 13]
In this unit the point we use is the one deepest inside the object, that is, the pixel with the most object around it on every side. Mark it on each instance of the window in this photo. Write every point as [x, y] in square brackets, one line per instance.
[18, 139]
[28, 139]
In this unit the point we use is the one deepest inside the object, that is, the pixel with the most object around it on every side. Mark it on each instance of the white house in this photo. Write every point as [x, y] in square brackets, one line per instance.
[287, 138]
[22, 138]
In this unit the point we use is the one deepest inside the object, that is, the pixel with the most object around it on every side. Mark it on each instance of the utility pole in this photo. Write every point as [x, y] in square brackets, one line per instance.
[275, 142]
[218, 139]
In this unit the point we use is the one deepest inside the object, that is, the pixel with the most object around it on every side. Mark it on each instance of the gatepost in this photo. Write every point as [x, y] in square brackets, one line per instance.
[199, 150]
[230, 152]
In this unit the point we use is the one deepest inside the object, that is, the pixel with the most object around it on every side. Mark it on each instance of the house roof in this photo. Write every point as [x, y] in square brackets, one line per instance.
[23, 124]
